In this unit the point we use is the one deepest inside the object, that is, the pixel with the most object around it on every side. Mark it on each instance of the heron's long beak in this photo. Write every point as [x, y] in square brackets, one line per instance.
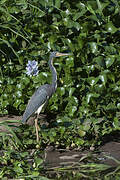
[62, 54]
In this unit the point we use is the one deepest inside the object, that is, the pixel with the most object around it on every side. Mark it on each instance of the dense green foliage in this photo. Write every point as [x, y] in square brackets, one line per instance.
[87, 101]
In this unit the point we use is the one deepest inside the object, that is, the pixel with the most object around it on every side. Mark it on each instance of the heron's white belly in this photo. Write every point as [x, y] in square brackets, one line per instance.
[39, 109]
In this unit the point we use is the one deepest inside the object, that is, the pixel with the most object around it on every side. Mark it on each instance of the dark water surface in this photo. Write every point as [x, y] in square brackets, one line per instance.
[76, 164]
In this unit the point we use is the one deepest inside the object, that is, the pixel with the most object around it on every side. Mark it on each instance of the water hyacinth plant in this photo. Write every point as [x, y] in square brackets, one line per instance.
[32, 68]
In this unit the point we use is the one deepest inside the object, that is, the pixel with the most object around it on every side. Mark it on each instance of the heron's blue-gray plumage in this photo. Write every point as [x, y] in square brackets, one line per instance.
[41, 95]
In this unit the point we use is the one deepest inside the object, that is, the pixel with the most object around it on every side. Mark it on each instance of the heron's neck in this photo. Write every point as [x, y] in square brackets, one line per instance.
[54, 73]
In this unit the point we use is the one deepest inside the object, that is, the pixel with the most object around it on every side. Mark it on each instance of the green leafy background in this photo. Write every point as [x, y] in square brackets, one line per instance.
[86, 104]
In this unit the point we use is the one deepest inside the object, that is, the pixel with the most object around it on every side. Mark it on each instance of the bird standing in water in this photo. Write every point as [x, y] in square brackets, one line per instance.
[41, 96]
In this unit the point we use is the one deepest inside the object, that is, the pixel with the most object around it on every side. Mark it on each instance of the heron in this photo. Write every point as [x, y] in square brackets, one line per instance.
[41, 96]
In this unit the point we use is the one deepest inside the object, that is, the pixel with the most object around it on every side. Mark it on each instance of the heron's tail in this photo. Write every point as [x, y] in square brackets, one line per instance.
[24, 118]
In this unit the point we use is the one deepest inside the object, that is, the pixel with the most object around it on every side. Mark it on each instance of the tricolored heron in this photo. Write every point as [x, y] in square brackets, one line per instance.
[41, 96]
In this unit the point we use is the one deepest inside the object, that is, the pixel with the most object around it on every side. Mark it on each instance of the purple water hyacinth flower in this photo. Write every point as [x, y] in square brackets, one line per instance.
[32, 68]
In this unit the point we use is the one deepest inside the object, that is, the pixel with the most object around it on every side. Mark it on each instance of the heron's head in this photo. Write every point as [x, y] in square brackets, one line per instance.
[58, 54]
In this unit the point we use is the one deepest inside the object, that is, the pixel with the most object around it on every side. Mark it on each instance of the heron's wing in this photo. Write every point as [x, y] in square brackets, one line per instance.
[38, 99]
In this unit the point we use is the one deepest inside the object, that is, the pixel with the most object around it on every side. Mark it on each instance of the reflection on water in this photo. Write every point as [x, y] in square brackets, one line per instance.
[104, 163]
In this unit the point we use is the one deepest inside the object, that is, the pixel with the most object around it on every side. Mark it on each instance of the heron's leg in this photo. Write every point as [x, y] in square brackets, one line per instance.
[37, 128]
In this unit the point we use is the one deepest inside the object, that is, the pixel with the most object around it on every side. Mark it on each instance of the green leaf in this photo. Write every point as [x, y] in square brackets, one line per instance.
[2, 1]
[109, 60]
[100, 61]
[38, 162]
[18, 94]
[81, 133]
[61, 91]
[111, 76]
[110, 27]
[92, 80]
[116, 123]
[89, 7]
[72, 110]
[4, 103]
[22, 107]
[57, 3]
[25, 80]
[93, 47]
[17, 103]
[40, 13]
[118, 105]
[18, 169]
[90, 96]
[103, 78]
[100, 7]
[71, 91]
